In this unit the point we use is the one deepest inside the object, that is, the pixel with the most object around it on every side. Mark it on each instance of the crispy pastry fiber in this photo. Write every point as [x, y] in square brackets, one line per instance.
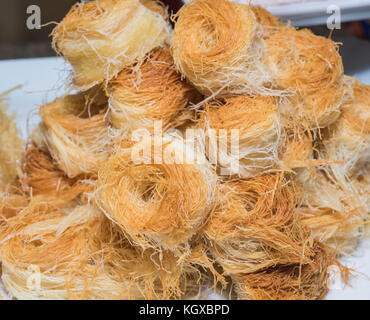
[77, 253]
[257, 120]
[153, 92]
[334, 212]
[75, 130]
[42, 176]
[265, 18]
[309, 281]
[114, 198]
[101, 37]
[311, 69]
[10, 147]
[349, 136]
[255, 226]
[217, 46]
[157, 205]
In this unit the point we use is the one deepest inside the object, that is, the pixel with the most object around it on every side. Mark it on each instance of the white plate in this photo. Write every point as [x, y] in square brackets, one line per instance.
[43, 80]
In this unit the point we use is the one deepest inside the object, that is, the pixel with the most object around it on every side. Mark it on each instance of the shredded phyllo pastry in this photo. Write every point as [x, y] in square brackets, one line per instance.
[216, 148]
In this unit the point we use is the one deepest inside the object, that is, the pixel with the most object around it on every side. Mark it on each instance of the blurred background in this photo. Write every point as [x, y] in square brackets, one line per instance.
[17, 41]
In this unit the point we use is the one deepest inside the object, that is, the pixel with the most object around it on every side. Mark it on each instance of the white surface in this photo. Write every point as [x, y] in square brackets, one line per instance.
[43, 79]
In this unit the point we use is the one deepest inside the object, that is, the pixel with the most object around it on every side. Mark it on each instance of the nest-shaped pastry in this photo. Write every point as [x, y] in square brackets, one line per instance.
[157, 202]
[254, 120]
[10, 147]
[42, 176]
[50, 248]
[298, 150]
[101, 37]
[309, 281]
[152, 91]
[76, 253]
[311, 69]
[254, 226]
[334, 211]
[349, 136]
[302, 61]
[317, 110]
[217, 46]
[75, 130]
